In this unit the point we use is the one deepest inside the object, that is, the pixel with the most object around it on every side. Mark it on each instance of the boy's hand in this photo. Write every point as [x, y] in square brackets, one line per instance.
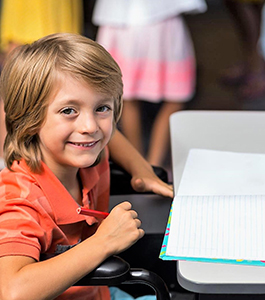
[144, 178]
[149, 182]
[121, 229]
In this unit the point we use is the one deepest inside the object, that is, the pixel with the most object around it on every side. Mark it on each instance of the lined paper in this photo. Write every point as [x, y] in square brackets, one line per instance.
[219, 210]
[230, 227]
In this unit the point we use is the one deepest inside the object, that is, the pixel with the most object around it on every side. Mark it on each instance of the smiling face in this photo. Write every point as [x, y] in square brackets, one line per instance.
[78, 126]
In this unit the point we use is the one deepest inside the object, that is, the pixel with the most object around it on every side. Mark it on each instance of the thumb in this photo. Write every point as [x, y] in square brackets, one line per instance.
[138, 184]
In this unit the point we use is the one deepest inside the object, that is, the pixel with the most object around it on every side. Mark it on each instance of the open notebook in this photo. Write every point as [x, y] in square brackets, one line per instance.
[218, 212]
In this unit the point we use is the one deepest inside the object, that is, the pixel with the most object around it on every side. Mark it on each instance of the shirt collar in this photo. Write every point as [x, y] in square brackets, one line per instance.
[63, 205]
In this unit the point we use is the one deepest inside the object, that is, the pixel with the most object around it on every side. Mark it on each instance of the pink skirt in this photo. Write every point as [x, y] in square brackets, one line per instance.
[157, 61]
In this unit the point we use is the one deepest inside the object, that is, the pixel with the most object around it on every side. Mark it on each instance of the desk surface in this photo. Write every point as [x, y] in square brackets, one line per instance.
[238, 131]
[153, 210]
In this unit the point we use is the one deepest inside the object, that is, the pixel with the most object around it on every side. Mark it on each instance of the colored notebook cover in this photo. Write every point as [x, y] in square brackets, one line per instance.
[164, 256]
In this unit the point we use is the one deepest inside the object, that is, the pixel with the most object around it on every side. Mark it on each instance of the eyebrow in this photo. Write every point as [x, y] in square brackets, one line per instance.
[104, 99]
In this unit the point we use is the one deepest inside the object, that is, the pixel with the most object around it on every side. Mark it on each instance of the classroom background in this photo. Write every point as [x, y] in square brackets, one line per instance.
[217, 47]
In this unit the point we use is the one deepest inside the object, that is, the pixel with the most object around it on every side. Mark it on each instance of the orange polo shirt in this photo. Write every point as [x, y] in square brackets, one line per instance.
[38, 215]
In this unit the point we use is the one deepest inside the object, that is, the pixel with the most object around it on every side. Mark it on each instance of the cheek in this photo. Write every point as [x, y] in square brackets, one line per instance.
[42, 134]
[108, 128]
[52, 131]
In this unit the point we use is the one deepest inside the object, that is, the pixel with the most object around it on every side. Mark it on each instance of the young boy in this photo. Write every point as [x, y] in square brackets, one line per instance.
[62, 98]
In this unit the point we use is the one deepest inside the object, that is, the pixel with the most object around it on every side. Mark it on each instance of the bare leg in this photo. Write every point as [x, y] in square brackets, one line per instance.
[159, 142]
[131, 123]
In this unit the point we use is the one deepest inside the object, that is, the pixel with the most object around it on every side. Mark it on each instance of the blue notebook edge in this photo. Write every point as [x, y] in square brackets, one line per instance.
[166, 257]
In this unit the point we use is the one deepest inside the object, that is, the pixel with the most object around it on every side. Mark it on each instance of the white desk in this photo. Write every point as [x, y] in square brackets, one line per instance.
[209, 278]
[238, 131]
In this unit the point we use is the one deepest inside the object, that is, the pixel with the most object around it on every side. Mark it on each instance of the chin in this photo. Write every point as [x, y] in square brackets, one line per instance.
[88, 163]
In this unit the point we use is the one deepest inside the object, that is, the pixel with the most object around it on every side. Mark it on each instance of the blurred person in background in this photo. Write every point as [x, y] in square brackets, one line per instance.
[249, 74]
[24, 21]
[152, 45]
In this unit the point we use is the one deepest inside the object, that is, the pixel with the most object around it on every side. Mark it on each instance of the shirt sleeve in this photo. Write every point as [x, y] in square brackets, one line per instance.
[21, 229]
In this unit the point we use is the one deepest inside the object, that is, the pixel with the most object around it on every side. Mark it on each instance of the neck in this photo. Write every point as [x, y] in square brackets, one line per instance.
[71, 181]
[74, 187]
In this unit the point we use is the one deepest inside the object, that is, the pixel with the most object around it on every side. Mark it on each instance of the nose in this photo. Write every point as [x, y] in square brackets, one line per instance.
[88, 124]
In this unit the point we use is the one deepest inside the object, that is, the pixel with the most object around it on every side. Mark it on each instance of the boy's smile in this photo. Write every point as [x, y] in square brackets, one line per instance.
[78, 126]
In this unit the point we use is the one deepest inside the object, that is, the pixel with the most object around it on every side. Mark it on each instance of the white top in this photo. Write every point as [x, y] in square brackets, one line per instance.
[141, 12]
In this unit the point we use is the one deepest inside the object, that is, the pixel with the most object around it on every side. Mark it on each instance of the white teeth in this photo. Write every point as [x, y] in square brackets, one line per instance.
[85, 145]
[90, 144]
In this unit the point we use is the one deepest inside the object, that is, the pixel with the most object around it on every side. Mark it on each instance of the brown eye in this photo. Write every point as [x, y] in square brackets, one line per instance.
[103, 108]
[68, 111]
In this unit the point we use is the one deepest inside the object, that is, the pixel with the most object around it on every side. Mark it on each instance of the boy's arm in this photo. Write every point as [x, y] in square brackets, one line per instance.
[22, 277]
[143, 177]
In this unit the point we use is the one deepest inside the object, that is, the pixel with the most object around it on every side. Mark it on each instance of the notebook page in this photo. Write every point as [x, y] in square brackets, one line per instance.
[211, 172]
[218, 210]
[230, 227]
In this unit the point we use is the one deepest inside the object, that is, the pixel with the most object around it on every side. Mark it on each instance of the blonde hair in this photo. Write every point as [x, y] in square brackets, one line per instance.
[29, 78]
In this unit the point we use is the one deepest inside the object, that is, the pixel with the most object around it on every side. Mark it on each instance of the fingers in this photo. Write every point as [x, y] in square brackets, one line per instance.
[165, 190]
[138, 223]
[141, 233]
[121, 229]
[154, 185]
[126, 205]
[133, 214]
